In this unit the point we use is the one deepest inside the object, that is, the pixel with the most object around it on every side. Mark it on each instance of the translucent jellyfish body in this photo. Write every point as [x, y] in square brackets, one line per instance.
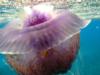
[46, 44]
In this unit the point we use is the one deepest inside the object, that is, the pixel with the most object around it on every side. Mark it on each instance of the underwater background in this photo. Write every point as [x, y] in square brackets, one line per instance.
[87, 61]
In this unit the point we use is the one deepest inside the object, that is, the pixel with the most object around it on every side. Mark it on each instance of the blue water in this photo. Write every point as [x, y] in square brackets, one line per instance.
[88, 59]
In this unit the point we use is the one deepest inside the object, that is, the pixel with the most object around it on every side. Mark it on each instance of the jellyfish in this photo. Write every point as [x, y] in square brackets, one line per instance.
[43, 42]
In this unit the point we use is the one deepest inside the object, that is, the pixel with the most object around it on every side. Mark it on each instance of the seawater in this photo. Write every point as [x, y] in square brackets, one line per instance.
[87, 61]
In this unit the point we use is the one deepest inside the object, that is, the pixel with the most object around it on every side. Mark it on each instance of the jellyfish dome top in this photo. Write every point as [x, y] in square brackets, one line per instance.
[44, 42]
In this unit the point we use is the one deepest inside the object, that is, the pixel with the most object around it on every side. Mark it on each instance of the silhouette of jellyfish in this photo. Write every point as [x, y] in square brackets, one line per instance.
[46, 45]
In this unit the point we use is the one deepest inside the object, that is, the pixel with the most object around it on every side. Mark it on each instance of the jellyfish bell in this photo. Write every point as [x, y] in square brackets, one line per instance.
[39, 14]
[45, 47]
[44, 8]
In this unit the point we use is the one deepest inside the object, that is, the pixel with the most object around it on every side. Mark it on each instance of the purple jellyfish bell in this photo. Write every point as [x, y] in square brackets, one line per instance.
[36, 18]
[45, 45]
